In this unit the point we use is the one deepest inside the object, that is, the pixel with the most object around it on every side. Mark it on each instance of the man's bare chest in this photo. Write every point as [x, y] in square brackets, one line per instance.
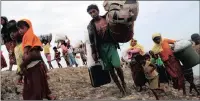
[101, 26]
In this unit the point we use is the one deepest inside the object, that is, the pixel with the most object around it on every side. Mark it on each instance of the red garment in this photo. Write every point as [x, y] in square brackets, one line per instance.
[10, 46]
[35, 83]
[174, 69]
[3, 61]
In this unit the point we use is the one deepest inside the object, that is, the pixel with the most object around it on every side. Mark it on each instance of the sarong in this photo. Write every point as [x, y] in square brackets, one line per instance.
[174, 69]
[109, 55]
[35, 83]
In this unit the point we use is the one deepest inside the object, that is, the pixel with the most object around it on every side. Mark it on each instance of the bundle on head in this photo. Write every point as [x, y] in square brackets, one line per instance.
[60, 37]
[120, 17]
[47, 37]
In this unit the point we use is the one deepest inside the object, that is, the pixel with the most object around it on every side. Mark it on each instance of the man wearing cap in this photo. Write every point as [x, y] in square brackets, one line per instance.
[196, 39]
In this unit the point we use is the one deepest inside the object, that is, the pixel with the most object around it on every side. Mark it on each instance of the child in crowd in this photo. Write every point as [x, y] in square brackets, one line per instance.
[163, 76]
[57, 56]
[149, 70]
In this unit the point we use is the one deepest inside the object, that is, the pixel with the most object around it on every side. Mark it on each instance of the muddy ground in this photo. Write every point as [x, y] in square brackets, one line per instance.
[74, 83]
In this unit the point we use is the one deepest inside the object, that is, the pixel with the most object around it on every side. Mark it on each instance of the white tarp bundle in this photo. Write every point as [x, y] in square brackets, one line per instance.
[181, 45]
[60, 37]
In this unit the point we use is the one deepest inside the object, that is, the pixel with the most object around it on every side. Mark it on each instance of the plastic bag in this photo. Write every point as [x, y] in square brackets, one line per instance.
[181, 45]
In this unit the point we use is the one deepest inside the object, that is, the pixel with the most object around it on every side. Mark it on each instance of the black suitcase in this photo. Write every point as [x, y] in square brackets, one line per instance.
[98, 76]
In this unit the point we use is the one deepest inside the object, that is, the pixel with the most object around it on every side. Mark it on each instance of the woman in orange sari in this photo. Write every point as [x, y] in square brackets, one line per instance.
[33, 67]
[173, 65]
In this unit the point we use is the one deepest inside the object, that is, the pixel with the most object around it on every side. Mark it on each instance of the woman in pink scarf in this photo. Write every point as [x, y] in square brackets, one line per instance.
[136, 69]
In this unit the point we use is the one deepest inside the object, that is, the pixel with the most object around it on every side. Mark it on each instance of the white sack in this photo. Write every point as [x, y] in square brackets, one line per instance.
[181, 45]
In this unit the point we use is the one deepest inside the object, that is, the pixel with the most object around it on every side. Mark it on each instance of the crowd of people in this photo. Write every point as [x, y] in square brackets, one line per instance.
[158, 67]
[13, 47]
[24, 49]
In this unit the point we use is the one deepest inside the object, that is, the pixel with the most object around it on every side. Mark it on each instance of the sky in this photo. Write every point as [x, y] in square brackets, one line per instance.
[173, 19]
